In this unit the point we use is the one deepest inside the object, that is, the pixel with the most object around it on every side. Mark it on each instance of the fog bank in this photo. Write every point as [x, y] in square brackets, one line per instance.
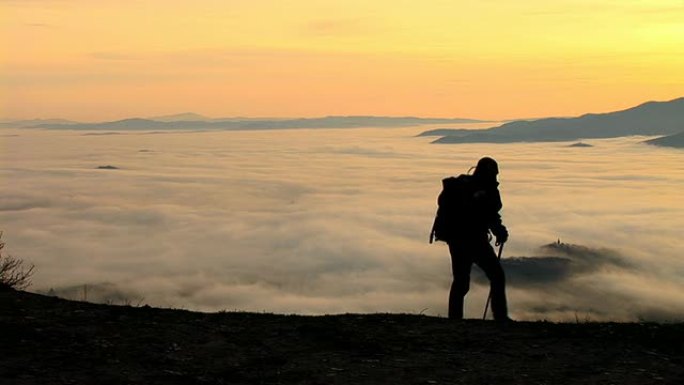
[332, 221]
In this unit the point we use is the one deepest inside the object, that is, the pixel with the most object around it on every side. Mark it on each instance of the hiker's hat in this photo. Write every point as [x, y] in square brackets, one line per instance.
[487, 166]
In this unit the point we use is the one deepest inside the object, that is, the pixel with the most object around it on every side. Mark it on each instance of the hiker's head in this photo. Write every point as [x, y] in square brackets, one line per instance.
[486, 168]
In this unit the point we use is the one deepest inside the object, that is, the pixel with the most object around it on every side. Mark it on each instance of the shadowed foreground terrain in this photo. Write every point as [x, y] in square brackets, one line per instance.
[45, 340]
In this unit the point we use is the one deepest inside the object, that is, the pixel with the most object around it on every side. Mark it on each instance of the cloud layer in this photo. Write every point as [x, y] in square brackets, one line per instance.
[332, 221]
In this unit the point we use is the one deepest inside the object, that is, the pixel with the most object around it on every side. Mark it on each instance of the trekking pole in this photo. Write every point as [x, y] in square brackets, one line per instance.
[489, 297]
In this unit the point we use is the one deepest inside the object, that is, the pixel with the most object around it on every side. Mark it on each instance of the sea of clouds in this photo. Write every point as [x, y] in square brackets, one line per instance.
[335, 221]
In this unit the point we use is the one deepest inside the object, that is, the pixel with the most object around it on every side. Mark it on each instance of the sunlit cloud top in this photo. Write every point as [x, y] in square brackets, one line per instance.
[496, 59]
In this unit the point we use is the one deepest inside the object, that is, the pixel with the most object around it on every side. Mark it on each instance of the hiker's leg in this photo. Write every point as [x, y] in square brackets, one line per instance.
[487, 260]
[461, 262]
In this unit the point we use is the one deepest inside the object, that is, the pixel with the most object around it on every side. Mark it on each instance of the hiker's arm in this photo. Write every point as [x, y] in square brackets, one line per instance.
[494, 221]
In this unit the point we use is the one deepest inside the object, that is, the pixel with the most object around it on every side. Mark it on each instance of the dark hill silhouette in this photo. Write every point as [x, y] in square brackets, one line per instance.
[676, 140]
[446, 131]
[46, 340]
[580, 145]
[651, 118]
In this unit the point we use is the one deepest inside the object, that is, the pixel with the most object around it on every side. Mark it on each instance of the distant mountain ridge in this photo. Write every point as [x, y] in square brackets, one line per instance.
[650, 118]
[33, 122]
[184, 116]
[178, 122]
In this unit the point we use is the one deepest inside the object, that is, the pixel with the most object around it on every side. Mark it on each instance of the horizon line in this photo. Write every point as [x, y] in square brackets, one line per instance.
[273, 118]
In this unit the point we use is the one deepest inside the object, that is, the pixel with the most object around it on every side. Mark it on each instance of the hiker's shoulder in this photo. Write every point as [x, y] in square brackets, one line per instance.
[457, 178]
[452, 180]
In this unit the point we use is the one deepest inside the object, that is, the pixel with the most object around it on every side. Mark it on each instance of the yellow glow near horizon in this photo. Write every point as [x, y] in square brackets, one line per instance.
[496, 59]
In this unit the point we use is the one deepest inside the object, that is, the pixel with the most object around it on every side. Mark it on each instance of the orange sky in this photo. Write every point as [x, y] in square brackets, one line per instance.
[97, 60]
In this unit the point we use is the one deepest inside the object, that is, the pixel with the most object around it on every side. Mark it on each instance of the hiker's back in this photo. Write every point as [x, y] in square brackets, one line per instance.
[456, 208]
[467, 208]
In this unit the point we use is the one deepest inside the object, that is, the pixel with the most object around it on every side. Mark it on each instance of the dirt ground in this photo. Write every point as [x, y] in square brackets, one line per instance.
[46, 340]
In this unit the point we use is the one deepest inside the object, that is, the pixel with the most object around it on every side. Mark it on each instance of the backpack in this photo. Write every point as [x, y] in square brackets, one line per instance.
[455, 208]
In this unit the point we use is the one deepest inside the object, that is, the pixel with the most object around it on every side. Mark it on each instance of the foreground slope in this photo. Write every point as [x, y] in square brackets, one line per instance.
[45, 340]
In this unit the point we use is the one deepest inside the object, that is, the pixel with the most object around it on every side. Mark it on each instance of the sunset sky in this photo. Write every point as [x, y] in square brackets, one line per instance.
[102, 60]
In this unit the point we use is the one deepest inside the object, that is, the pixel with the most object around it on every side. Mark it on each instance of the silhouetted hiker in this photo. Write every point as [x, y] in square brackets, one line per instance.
[468, 210]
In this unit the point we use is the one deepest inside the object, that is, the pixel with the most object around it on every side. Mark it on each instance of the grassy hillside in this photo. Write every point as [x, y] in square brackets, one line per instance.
[46, 340]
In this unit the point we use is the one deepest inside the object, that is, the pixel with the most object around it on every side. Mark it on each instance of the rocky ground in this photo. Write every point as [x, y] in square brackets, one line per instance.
[46, 340]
